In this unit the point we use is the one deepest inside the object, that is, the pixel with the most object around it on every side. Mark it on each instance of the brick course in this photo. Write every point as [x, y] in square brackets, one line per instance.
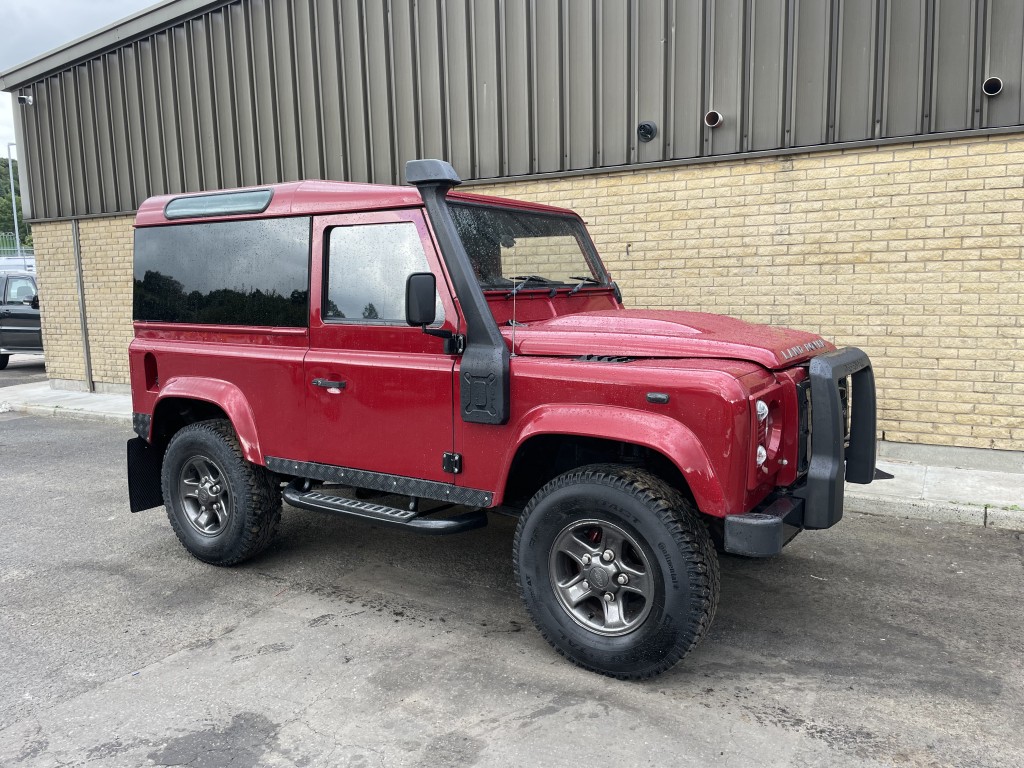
[912, 252]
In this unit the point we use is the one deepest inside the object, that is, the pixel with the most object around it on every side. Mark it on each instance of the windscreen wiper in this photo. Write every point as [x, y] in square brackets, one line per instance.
[583, 281]
[526, 280]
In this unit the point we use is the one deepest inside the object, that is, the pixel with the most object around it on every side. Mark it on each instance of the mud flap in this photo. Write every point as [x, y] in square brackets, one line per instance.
[144, 463]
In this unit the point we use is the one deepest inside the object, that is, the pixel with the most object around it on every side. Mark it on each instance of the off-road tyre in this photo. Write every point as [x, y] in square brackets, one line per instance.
[3, 361]
[663, 524]
[253, 499]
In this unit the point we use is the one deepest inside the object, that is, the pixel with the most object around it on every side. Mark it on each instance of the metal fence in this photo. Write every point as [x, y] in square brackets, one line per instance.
[259, 91]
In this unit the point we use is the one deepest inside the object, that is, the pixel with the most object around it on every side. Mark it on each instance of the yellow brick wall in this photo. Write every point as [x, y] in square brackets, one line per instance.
[107, 267]
[58, 300]
[912, 252]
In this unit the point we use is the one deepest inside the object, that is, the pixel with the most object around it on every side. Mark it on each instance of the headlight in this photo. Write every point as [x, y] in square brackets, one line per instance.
[762, 410]
[762, 455]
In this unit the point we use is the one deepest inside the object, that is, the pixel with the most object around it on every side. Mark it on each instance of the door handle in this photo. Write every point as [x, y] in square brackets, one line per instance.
[328, 384]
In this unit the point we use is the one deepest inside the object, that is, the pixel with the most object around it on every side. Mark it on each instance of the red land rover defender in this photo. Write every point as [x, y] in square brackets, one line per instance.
[452, 353]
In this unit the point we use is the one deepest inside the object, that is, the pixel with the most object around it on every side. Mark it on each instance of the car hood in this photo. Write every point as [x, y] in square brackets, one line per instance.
[665, 333]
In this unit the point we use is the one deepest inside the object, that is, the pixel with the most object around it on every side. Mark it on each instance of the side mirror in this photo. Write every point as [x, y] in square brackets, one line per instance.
[31, 302]
[420, 295]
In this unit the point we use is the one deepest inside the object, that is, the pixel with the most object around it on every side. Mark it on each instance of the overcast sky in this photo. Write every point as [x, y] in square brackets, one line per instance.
[32, 27]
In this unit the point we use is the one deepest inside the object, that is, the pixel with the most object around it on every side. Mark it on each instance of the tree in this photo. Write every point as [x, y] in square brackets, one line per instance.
[6, 210]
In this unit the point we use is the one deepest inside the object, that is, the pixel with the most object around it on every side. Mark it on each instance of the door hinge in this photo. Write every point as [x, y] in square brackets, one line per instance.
[456, 345]
[451, 463]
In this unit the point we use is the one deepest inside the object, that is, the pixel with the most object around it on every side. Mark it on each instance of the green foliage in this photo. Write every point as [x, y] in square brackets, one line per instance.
[6, 211]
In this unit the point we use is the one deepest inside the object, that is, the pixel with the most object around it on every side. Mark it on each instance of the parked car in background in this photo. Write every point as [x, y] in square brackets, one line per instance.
[20, 331]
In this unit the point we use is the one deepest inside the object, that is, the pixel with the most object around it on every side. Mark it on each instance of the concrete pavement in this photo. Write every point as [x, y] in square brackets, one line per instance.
[879, 642]
[943, 492]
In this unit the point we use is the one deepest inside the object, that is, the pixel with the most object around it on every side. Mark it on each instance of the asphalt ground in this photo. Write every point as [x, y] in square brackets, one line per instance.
[23, 369]
[878, 642]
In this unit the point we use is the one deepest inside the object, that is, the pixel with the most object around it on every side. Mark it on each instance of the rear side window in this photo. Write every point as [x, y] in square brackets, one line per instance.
[253, 272]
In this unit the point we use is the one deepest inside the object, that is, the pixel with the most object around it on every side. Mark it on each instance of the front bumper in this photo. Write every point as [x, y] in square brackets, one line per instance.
[766, 530]
[818, 503]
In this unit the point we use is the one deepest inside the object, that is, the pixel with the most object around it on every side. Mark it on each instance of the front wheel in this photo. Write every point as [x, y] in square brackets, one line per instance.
[3, 361]
[222, 508]
[616, 570]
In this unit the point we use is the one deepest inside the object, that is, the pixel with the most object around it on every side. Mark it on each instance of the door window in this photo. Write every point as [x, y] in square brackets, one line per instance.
[367, 267]
[19, 289]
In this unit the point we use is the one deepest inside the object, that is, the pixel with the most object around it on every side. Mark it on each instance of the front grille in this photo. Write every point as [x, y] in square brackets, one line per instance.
[845, 398]
[803, 397]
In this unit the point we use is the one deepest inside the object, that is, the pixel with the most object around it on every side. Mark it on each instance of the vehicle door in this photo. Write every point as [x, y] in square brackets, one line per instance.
[379, 392]
[19, 315]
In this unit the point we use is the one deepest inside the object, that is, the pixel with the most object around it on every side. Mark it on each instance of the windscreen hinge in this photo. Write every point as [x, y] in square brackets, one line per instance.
[451, 463]
[456, 345]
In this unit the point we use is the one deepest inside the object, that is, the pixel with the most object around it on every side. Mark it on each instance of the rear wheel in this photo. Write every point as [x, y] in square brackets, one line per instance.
[3, 361]
[222, 508]
[616, 570]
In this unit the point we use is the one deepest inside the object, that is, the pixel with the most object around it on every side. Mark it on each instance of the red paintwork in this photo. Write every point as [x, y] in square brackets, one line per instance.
[663, 333]
[312, 198]
[397, 412]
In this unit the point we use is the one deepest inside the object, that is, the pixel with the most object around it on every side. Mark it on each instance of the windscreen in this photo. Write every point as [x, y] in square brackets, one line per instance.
[507, 247]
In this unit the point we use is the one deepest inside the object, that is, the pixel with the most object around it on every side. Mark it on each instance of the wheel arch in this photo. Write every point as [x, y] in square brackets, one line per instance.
[557, 439]
[186, 400]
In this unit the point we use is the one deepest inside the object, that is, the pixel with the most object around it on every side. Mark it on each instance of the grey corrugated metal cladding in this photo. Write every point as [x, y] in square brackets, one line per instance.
[259, 91]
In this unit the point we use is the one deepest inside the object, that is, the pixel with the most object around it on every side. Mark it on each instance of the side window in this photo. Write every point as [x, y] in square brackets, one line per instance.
[244, 272]
[367, 266]
[19, 289]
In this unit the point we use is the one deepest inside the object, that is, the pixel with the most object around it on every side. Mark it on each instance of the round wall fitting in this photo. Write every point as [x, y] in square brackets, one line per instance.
[647, 130]
[992, 86]
[713, 119]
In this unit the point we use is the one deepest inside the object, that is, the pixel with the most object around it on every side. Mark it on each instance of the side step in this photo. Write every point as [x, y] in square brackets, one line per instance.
[379, 513]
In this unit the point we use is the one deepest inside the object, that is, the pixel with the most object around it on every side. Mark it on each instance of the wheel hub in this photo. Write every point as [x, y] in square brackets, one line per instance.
[601, 577]
[204, 495]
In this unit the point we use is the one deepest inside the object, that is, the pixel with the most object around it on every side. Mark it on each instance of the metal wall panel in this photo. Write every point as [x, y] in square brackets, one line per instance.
[810, 64]
[578, 71]
[649, 39]
[461, 111]
[767, 48]
[855, 73]
[487, 53]
[517, 67]
[903, 77]
[549, 88]
[1004, 58]
[615, 135]
[953, 65]
[248, 92]
[724, 73]
[689, 49]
